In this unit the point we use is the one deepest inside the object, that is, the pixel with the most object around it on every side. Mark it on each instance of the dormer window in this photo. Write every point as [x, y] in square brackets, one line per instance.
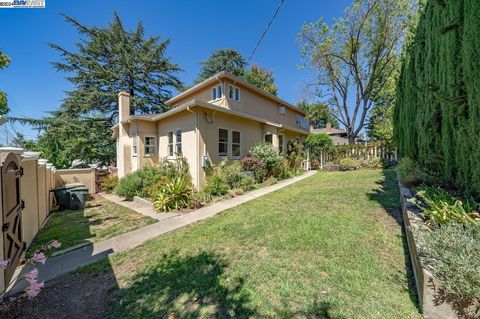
[217, 92]
[233, 93]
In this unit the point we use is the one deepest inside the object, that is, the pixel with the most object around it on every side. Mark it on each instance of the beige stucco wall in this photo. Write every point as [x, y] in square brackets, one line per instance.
[187, 122]
[142, 129]
[85, 176]
[250, 102]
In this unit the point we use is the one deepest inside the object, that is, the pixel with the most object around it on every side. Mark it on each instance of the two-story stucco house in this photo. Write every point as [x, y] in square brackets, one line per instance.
[220, 117]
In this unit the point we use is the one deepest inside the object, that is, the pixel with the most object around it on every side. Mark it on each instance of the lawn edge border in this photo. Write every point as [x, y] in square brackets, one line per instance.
[428, 286]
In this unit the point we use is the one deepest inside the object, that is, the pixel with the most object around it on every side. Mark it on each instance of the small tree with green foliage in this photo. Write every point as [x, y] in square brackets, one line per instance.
[4, 61]
[261, 78]
[318, 143]
[318, 114]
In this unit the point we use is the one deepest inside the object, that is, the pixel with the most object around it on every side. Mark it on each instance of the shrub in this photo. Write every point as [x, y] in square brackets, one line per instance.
[408, 171]
[215, 186]
[149, 179]
[268, 155]
[173, 195]
[440, 207]
[109, 184]
[256, 166]
[319, 143]
[226, 177]
[349, 164]
[270, 181]
[373, 163]
[130, 185]
[451, 253]
[294, 155]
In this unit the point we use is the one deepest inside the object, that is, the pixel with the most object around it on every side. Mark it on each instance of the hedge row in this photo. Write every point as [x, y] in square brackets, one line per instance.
[437, 116]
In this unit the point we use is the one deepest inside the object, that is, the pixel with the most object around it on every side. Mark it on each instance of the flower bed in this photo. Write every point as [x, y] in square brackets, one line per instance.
[434, 299]
[168, 186]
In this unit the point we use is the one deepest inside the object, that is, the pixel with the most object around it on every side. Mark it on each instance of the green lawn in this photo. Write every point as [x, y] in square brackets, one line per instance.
[329, 246]
[100, 220]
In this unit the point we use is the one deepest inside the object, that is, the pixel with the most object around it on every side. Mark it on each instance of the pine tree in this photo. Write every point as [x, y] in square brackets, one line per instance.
[107, 61]
[229, 60]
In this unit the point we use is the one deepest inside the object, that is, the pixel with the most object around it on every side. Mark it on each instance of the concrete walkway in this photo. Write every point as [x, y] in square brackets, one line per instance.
[139, 207]
[62, 264]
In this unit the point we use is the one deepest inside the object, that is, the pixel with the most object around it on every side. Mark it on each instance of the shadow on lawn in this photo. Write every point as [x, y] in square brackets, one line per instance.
[388, 195]
[184, 287]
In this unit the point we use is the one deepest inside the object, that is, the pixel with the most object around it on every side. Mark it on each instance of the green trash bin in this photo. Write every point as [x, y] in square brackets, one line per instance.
[71, 196]
[78, 197]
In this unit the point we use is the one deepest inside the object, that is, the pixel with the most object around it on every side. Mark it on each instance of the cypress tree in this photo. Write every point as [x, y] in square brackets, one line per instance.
[437, 112]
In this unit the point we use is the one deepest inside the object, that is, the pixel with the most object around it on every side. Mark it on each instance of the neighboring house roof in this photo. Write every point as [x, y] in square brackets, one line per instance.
[226, 75]
[329, 131]
[194, 103]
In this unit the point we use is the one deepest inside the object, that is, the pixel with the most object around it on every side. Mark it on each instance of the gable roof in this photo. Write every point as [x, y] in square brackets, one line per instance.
[226, 75]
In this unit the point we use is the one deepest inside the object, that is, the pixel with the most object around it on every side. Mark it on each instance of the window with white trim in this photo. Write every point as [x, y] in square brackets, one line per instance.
[217, 92]
[229, 143]
[222, 142]
[178, 142]
[236, 144]
[233, 93]
[282, 110]
[149, 142]
[170, 144]
[134, 145]
[280, 144]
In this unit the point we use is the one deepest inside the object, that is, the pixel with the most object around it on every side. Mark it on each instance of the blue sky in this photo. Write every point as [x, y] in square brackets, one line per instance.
[195, 28]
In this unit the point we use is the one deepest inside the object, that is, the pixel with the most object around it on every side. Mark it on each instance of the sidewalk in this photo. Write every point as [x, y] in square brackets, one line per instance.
[62, 264]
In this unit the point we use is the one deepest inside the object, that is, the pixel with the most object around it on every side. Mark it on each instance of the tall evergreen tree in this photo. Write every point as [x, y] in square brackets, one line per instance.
[107, 61]
[229, 60]
[261, 78]
[4, 61]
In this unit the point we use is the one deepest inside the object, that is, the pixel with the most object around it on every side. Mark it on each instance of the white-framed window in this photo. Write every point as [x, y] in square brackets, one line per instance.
[233, 93]
[217, 92]
[222, 142]
[178, 141]
[236, 144]
[170, 144]
[280, 144]
[134, 145]
[282, 110]
[149, 142]
[229, 143]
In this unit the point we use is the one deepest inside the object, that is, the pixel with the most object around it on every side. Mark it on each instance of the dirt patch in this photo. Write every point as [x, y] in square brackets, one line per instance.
[71, 296]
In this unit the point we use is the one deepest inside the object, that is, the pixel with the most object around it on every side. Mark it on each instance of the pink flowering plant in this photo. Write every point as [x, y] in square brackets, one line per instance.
[31, 277]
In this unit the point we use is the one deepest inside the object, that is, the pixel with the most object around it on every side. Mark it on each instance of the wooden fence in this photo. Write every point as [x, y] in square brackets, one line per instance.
[38, 178]
[362, 151]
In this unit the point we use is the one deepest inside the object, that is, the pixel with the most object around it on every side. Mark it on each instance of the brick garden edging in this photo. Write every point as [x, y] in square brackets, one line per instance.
[433, 302]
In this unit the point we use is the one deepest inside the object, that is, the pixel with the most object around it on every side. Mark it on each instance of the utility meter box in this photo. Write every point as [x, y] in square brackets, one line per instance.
[206, 161]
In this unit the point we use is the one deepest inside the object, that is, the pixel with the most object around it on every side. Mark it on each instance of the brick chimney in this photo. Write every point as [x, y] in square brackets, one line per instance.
[329, 127]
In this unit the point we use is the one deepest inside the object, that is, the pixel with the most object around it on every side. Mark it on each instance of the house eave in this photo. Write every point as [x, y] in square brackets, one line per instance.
[198, 103]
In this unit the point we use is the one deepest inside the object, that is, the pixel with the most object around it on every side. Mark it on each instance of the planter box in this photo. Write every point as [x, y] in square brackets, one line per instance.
[434, 303]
